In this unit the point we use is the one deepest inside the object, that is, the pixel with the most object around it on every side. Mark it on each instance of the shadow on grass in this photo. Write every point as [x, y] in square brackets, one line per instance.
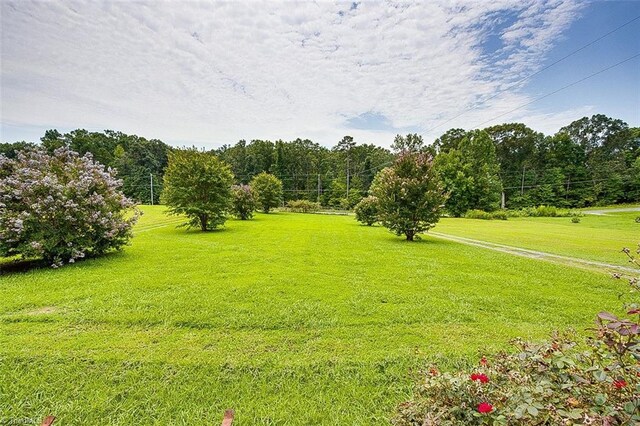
[425, 239]
[20, 266]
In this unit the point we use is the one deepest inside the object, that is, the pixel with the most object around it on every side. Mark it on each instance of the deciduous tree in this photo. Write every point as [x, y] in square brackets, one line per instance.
[198, 185]
[268, 190]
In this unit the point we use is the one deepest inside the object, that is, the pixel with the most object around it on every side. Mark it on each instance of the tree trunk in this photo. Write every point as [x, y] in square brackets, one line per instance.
[204, 219]
[409, 234]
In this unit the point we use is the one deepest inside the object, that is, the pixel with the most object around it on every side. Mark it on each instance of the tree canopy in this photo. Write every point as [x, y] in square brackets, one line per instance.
[590, 161]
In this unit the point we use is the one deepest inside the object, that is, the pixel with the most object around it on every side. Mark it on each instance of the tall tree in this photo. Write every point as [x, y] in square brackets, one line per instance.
[470, 174]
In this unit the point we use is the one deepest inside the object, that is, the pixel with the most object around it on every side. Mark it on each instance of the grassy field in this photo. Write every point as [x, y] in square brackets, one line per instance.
[597, 238]
[288, 319]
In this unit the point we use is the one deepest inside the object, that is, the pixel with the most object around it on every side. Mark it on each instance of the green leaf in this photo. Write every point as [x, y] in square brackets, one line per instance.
[600, 375]
[629, 407]
[600, 399]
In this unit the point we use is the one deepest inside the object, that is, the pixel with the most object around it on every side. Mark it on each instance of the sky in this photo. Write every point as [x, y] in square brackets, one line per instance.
[212, 73]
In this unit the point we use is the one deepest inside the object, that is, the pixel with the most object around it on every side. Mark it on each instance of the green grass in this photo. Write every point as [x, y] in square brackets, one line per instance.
[599, 238]
[288, 319]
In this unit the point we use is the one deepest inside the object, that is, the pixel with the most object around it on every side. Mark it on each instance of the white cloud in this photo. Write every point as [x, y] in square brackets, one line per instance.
[212, 73]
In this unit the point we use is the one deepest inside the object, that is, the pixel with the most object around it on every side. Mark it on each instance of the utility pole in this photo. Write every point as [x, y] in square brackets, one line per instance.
[348, 177]
[522, 185]
[151, 175]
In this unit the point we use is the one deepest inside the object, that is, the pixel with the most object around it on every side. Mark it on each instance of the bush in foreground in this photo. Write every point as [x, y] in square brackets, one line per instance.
[303, 206]
[244, 202]
[268, 190]
[61, 207]
[367, 210]
[198, 185]
[564, 381]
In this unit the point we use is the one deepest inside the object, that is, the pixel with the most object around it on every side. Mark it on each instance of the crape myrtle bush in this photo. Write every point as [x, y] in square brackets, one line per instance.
[244, 202]
[61, 207]
[565, 381]
[410, 194]
[367, 210]
[303, 206]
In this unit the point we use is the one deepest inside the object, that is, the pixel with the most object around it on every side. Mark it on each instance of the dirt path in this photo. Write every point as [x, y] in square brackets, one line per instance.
[533, 254]
[604, 212]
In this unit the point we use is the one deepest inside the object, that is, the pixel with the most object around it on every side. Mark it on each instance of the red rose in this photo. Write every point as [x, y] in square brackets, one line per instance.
[483, 361]
[482, 378]
[619, 384]
[485, 407]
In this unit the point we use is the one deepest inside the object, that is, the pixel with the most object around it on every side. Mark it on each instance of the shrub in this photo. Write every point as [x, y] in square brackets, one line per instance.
[638, 219]
[303, 206]
[367, 210]
[268, 190]
[198, 185]
[562, 381]
[61, 207]
[244, 203]
[575, 219]
[543, 211]
[499, 215]
[481, 214]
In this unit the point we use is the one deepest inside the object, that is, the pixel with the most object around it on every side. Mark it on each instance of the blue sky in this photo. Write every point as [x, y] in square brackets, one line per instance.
[214, 73]
[615, 92]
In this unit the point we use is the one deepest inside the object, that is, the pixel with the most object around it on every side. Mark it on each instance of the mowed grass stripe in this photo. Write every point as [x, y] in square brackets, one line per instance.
[595, 238]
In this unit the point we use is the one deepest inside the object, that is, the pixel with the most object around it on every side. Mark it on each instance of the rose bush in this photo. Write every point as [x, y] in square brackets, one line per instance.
[564, 381]
[61, 207]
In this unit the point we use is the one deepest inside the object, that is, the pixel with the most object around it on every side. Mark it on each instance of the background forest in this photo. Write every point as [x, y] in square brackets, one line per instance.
[592, 161]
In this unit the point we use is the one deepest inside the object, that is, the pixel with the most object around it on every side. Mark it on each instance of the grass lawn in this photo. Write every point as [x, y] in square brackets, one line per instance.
[597, 238]
[287, 318]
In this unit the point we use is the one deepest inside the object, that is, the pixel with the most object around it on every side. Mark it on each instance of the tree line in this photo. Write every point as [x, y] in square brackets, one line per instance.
[593, 160]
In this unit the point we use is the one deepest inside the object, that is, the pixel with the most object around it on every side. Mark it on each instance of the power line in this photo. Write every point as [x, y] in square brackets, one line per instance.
[623, 179]
[559, 90]
[536, 73]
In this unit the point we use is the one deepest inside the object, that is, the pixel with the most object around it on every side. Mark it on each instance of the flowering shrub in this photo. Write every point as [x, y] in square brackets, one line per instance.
[244, 202]
[367, 210]
[61, 207]
[410, 195]
[564, 381]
